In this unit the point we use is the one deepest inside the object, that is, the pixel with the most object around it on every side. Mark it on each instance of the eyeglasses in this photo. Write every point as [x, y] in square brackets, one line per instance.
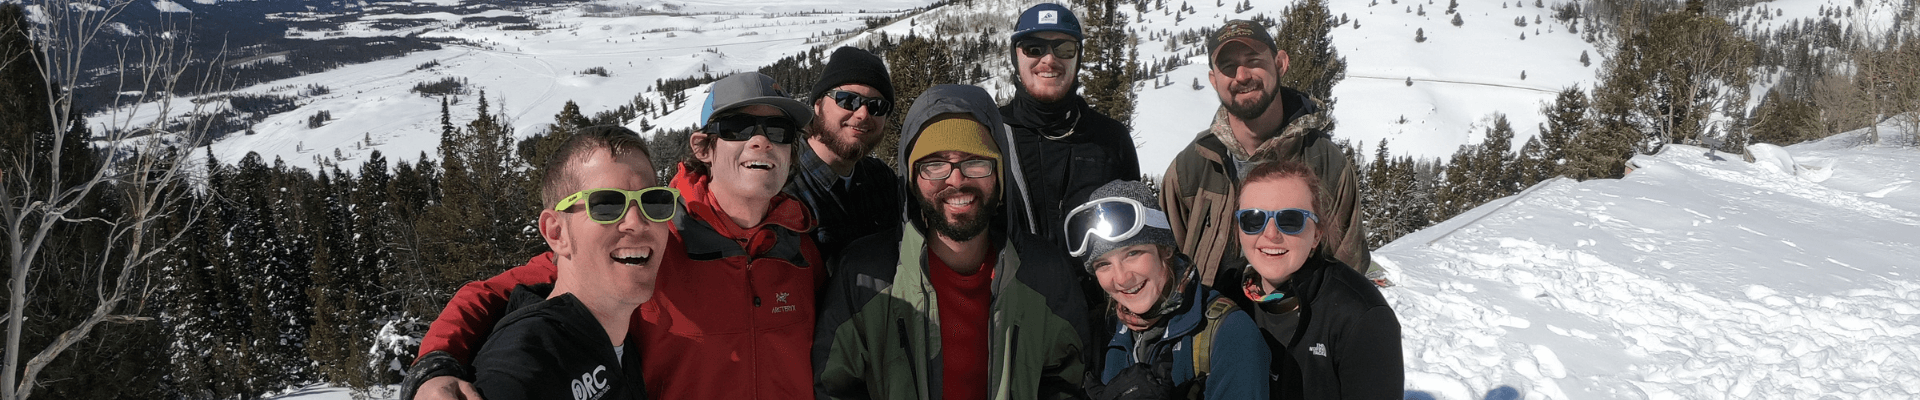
[940, 170]
[1290, 221]
[740, 127]
[850, 101]
[1112, 219]
[608, 205]
[1065, 49]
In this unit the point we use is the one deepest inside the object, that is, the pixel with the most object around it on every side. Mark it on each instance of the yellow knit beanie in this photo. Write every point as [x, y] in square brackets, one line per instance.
[955, 132]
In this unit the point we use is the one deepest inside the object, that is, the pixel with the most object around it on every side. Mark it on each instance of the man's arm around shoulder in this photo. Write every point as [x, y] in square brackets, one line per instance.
[462, 326]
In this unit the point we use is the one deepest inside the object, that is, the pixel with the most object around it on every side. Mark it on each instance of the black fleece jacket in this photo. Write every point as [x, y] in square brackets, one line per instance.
[1066, 150]
[554, 349]
[1343, 337]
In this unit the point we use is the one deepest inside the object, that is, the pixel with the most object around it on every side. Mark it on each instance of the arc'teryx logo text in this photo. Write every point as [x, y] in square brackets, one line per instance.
[590, 385]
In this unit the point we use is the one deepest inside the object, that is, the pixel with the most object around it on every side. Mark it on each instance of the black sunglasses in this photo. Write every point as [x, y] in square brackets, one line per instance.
[1065, 49]
[850, 101]
[740, 127]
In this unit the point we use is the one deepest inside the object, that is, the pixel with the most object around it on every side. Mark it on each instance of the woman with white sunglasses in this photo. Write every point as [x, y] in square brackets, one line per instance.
[1334, 334]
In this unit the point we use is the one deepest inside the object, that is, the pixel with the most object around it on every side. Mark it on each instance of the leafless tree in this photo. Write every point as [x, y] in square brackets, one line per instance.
[148, 182]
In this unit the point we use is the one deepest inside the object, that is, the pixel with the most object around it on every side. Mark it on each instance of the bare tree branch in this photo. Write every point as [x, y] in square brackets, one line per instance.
[151, 181]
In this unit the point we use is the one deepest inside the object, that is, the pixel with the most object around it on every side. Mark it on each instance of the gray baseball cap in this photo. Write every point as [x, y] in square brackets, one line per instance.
[749, 88]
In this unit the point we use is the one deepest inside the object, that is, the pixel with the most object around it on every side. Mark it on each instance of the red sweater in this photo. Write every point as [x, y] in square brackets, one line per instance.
[731, 316]
[963, 302]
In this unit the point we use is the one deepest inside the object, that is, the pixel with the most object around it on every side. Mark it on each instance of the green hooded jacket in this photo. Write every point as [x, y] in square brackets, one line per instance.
[878, 334]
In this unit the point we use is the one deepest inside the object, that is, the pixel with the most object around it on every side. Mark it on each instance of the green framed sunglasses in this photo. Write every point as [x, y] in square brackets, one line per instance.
[609, 205]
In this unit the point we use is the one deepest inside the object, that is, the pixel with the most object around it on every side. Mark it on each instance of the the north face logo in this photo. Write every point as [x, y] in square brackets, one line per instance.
[590, 385]
[1049, 17]
[1319, 349]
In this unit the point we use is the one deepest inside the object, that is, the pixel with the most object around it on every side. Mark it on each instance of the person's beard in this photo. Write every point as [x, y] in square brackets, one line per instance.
[931, 211]
[1251, 110]
[842, 147]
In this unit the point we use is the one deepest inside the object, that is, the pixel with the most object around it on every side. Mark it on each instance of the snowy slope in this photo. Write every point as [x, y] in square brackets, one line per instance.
[1693, 277]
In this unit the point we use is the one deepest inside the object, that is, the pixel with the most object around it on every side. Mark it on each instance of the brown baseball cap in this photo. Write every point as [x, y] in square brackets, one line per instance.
[1239, 30]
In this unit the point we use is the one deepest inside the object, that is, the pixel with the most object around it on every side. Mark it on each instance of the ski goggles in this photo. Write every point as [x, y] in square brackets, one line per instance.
[607, 205]
[740, 127]
[1290, 221]
[850, 101]
[1065, 49]
[1112, 219]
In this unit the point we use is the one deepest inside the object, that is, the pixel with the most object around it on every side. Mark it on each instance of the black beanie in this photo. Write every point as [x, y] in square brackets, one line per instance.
[853, 65]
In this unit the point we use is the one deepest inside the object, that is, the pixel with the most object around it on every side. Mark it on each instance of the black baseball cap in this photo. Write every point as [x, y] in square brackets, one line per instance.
[1239, 30]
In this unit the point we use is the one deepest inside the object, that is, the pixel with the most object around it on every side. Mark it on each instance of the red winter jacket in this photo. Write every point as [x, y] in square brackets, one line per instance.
[731, 316]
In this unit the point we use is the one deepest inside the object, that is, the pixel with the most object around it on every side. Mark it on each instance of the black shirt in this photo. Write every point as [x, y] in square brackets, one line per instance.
[845, 209]
[554, 349]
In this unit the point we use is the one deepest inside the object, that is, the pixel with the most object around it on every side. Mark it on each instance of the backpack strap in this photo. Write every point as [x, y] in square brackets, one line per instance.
[1203, 343]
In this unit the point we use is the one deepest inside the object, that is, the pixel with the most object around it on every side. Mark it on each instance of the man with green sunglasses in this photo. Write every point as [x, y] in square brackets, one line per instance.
[608, 238]
[739, 276]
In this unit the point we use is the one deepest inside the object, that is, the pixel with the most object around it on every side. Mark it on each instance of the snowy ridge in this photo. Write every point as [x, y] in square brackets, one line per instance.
[1692, 277]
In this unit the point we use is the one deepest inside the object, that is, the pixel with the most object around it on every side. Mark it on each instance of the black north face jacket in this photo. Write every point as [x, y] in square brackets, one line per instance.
[554, 349]
[1342, 337]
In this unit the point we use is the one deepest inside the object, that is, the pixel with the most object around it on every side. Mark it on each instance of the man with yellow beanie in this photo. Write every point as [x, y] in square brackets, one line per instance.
[963, 300]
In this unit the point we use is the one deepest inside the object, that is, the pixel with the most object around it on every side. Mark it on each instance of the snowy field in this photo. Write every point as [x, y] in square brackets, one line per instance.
[1695, 277]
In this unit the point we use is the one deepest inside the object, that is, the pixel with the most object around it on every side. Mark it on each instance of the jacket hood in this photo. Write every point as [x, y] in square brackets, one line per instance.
[972, 100]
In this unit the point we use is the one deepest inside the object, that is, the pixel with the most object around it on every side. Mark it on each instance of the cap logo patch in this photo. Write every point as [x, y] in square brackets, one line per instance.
[1233, 31]
[1049, 17]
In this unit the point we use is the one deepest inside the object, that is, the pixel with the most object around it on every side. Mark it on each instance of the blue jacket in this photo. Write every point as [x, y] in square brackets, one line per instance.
[1239, 359]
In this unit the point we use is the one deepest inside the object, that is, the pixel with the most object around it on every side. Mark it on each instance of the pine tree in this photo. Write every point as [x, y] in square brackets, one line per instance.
[1684, 66]
[1606, 141]
[535, 150]
[484, 222]
[413, 190]
[1316, 65]
[1566, 117]
[917, 64]
[275, 291]
[337, 329]
[1459, 186]
[1532, 166]
[1109, 59]
[1784, 120]
[1498, 172]
[1376, 190]
[23, 90]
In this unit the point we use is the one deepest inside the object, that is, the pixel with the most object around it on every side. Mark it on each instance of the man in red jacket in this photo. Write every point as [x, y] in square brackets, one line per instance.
[734, 310]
